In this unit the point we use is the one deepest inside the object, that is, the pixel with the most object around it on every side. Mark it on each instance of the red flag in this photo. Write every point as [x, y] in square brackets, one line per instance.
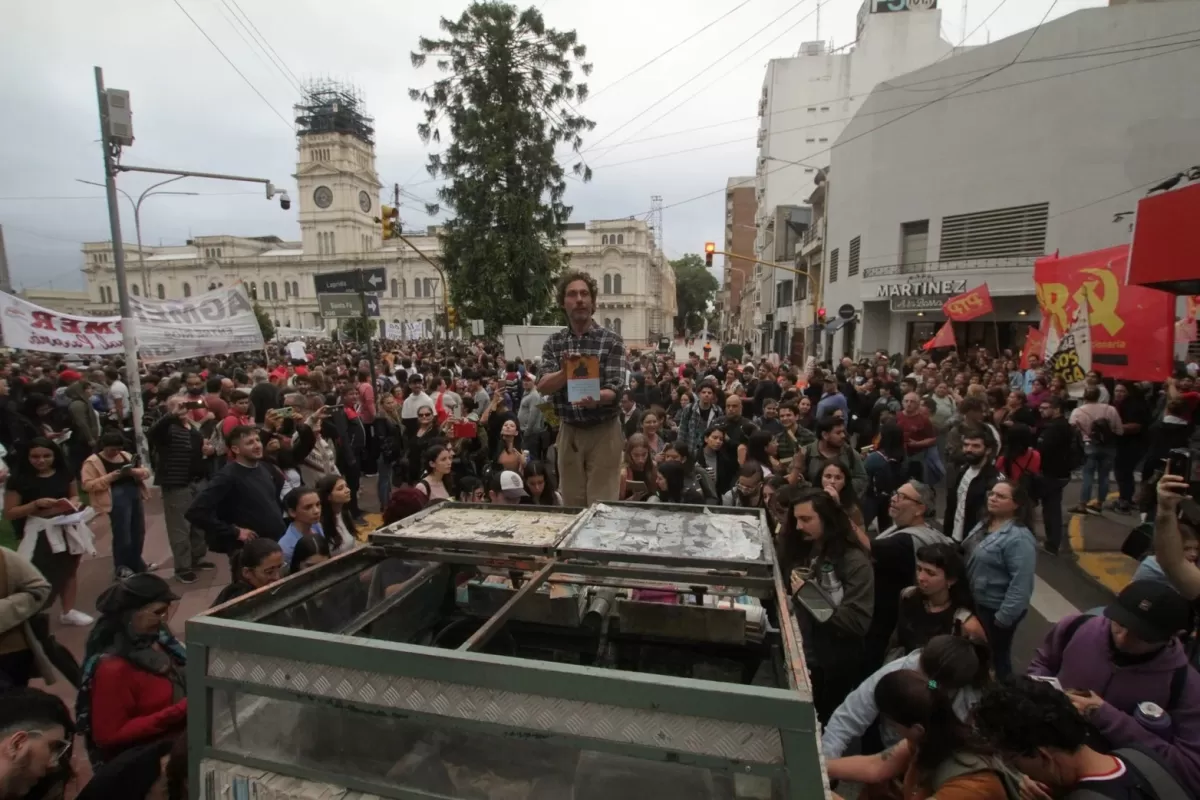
[969, 305]
[944, 338]
[1035, 340]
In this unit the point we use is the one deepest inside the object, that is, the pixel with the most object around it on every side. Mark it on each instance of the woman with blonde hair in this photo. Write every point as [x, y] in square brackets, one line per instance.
[639, 477]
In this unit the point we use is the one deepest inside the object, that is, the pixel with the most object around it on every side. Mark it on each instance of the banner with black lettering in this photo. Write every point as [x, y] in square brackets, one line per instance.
[220, 321]
[1071, 356]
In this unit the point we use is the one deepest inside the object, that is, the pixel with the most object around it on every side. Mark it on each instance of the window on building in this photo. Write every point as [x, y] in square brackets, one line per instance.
[395, 287]
[136, 291]
[604, 239]
[809, 141]
[417, 287]
[608, 323]
[783, 293]
[295, 289]
[403, 287]
[809, 171]
[428, 287]
[812, 109]
[824, 108]
[620, 238]
[833, 265]
[855, 248]
[187, 290]
[616, 284]
[161, 291]
[1017, 232]
[914, 245]
[616, 326]
[287, 289]
[608, 284]
[823, 139]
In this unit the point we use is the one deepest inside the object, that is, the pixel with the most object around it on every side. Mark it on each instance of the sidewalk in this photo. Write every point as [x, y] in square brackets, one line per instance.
[1097, 540]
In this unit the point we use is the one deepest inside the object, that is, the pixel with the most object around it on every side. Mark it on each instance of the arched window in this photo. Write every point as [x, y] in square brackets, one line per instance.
[187, 290]
[136, 291]
[608, 284]
[604, 239]
[287, 289]
[620, 238]
[616, 326]
[395, 287]
[608, 322]
[428, 287]
[616, 284]
[403, 287]
[428, 326]
[416, 287]
[161, 291]
[295, 289]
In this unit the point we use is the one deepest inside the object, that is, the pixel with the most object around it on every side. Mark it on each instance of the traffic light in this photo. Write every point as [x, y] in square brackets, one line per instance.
[389, 221]
[820, 316]
[452, 318]
[709, 249]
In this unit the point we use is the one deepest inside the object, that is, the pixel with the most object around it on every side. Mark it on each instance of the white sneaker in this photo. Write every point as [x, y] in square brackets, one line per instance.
[75, 617]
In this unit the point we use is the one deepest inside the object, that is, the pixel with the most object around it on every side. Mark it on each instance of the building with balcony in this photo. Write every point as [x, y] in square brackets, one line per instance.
[739, 238]
[338, 210]
[1035, 142]
[805, 104]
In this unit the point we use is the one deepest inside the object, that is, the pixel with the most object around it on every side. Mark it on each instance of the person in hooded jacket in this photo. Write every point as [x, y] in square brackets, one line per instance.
[85, 424]
[893, 553]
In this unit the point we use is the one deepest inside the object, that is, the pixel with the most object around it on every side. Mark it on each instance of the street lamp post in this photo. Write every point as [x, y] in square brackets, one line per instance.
[137, 219]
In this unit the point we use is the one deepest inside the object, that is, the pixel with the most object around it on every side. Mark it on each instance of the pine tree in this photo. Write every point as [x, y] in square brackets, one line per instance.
[508, 99]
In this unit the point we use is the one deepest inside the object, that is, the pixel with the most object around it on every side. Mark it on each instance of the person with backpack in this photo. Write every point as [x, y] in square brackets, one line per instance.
[1127, 673]
[1039, 732]
[1100, 426]
[1020, 462]
[1060, 450]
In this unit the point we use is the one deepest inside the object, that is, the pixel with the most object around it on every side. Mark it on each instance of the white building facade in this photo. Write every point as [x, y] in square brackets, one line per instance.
[339, 210]
[1047, 136]
[806, 103]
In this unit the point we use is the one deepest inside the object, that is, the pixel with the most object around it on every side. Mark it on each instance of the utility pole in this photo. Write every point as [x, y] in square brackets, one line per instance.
[366, 318]
[5, 279]
[128, 329]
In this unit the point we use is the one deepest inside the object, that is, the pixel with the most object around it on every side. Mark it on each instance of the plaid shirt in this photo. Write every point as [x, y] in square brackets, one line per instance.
[692, 426]
[597, 341]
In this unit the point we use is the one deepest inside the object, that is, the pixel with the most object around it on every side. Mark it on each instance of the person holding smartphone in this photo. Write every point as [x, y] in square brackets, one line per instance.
[1173, 489]
[116, 486]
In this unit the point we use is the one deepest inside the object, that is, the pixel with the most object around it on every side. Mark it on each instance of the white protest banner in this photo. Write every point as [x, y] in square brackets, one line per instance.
[414, 330]
[30, 327]
[393, 330]
[220, 321]
[289, 334]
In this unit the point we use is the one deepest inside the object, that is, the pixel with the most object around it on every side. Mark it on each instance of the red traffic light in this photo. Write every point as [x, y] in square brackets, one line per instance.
[710, 247]
[821, 313]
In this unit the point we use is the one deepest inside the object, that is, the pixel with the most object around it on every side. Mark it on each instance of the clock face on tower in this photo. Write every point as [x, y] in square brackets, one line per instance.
[323, 197]
[364, 202]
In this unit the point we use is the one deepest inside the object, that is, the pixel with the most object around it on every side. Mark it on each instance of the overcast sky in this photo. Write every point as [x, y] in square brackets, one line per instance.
[192, 111]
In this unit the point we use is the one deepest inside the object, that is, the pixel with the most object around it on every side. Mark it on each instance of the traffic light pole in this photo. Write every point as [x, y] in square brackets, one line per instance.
[812, 284]
[128, 331]
[362, 300]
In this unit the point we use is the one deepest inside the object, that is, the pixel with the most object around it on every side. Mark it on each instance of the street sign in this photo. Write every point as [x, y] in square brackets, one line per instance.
[354, 280]
[341, 306]
[372, 305]
[846, 311]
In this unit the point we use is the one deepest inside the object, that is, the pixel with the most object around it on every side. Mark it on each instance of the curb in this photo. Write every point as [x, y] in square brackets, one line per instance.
[1107, 569]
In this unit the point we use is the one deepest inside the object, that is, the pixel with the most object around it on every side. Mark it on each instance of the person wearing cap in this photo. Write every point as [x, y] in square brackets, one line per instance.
[506, 488]
[133, 690]
[1127, 669]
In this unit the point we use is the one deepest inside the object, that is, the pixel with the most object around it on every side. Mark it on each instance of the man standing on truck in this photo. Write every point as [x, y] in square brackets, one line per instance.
[584, 369]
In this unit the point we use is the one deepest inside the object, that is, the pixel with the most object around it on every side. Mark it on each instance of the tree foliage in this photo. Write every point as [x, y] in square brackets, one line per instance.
[265, 324]
[695, 288]
[507, 99]
[360, 330]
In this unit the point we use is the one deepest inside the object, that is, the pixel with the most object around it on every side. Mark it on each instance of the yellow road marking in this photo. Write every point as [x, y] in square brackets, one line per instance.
[1112, 569]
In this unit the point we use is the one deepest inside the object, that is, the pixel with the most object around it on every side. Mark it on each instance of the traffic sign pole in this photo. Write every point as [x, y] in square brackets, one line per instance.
[362, 296]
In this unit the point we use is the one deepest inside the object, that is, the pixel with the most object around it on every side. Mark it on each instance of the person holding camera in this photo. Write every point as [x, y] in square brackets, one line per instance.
[180, 452]
[116, 486]
[1183, 573]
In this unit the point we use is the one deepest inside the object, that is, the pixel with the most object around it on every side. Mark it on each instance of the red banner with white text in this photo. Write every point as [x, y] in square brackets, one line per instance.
[1132, 328]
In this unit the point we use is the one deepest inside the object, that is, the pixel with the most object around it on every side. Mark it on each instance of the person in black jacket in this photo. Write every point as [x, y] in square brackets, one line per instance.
[241, 502]
[264, 396]
[969, 492]
[1055, 444]
[179, 450]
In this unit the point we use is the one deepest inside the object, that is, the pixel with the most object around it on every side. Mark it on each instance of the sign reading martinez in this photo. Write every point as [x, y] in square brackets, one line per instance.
[922, 288]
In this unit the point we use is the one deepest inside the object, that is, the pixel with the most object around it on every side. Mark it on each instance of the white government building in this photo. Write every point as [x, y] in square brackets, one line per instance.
[339, 207]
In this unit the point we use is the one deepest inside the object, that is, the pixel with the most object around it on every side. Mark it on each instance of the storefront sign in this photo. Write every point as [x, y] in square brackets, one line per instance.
[923, 288]
[1131, 327]
[929, 302]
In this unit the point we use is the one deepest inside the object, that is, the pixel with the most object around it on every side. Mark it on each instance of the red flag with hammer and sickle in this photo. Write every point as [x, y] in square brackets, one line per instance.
[969, 305]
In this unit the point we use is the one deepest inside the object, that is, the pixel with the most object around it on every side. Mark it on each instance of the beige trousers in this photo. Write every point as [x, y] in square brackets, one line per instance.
[589, 463]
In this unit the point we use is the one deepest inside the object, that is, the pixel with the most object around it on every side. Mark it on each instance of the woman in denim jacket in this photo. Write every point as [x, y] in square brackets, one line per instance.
[1001, 555]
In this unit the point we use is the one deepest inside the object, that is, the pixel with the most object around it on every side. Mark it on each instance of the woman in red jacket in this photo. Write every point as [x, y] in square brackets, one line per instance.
[133, 689]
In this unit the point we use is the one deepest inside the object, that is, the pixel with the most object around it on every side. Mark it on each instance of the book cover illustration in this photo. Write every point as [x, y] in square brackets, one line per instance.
[583, 378]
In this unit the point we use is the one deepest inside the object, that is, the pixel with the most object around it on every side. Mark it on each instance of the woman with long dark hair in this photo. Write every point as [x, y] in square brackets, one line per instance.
[337, 524]
[698, 486]
[437, 463]
[819, 547]
[309, 551]
[41, 481]
[760, 448]
[1018, 460]
[259, 563]
[540, 486]
[134, 689]
[672, 477]
[887, 470]
[638, 474]
[1001, 555]
[837, 484]
[939, 603]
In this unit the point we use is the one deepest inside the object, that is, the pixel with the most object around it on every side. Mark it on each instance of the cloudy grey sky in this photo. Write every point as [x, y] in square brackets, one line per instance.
[192, 111]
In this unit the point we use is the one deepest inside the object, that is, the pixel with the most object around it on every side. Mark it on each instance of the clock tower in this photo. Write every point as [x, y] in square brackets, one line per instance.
[335, 172]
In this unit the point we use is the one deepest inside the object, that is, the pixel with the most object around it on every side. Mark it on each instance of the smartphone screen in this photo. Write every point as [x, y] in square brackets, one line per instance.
[635, 487]
[1050, 679]
[1179, 463]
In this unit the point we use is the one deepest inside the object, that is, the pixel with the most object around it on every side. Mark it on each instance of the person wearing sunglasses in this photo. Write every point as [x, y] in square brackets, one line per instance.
[133, 690]
[35, 736]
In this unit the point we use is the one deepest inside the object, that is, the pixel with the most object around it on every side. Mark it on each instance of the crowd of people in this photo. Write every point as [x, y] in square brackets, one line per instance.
[900, 493]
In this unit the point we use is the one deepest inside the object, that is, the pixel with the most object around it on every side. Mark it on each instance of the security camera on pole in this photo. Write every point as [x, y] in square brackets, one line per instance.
[116, 131]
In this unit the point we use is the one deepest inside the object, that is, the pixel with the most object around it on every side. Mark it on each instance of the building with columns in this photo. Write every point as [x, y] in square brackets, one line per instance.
[339, 210]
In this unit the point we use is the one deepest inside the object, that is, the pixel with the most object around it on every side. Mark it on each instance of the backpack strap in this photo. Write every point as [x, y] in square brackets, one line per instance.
[1161, 782]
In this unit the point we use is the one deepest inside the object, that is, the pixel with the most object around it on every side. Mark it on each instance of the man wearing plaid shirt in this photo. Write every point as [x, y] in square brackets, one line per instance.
[590, 443]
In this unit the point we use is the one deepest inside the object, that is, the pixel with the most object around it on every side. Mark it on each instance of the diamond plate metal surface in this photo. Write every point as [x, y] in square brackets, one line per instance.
[753, 743]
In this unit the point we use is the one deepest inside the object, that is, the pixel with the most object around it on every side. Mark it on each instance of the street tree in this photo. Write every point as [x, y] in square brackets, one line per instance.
[507, 99]
[265, 324]
[358, 329]
[695, 288]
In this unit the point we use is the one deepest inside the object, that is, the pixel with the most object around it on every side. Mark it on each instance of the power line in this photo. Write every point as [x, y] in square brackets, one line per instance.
[931, 102]
[238, 26]
[735, 67]
[668, 50]
[234, 66]
[694, 77]
[276, 57]
[1033, 33]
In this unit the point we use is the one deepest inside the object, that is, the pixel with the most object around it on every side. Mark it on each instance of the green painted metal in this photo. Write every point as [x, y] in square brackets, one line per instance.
[754, 705]
[198, 723]
[803, 761]
[505, 731]
[317, 775]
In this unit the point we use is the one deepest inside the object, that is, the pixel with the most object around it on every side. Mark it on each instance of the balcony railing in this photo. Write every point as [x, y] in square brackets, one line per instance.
[962, 265]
